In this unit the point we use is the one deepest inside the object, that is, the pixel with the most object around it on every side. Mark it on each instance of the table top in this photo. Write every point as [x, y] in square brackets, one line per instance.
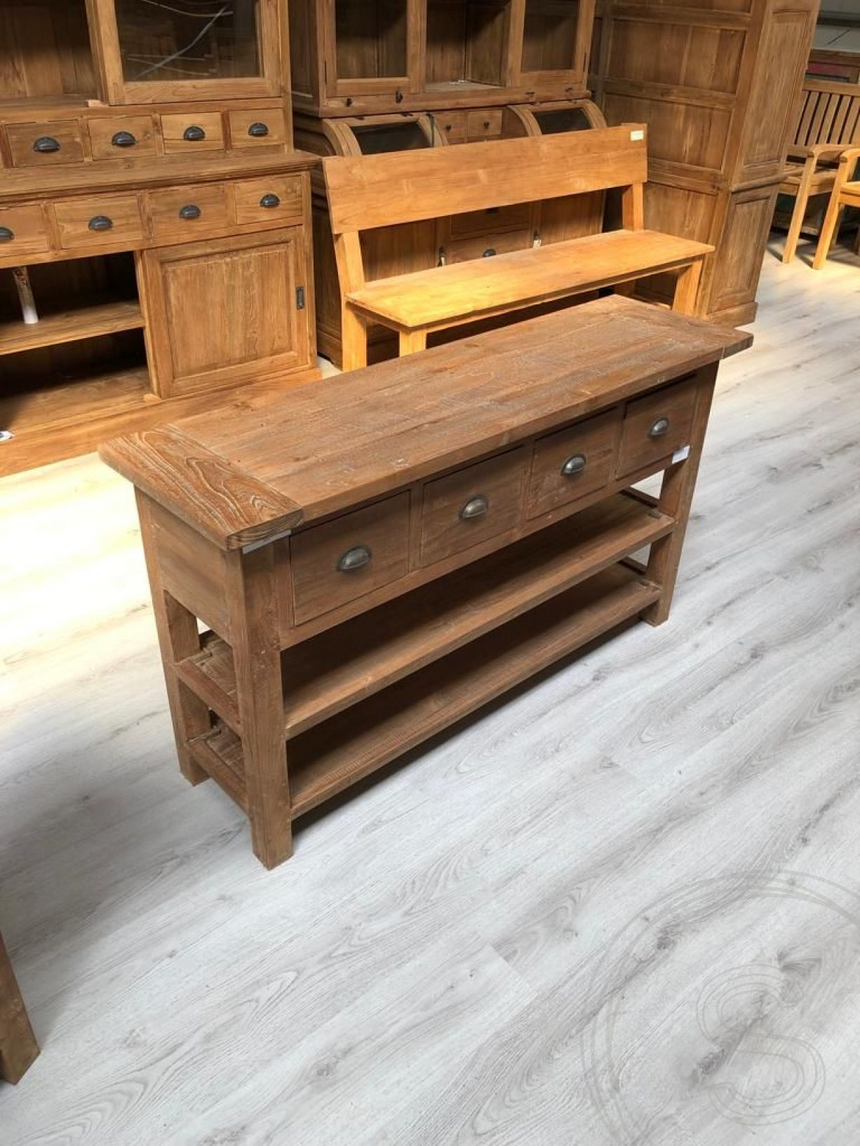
[268, 461]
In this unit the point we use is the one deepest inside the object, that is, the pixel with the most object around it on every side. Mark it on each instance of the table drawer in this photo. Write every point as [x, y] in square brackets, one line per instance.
[22, 232]
[573, 462]
[349, 557]
[45, 144]
[186, 133]
[258, 128]
[122, 137]
[99, 221]
[471, 505]
[277, 198]
[484, 124]
[183, 213]
[657, 425]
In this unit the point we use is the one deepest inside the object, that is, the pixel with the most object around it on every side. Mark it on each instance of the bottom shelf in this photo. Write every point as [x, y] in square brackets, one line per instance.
[328, 758]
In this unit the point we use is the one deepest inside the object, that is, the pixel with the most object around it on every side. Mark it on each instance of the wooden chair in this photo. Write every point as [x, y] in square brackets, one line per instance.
[382, 190]
[829, 122]
[18, 1046]
[845, 193]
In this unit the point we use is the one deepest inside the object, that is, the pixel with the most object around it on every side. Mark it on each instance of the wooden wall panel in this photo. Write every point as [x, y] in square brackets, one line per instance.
[677, 132]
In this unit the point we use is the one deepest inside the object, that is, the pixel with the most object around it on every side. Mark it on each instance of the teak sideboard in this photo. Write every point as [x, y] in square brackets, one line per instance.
[377, 556]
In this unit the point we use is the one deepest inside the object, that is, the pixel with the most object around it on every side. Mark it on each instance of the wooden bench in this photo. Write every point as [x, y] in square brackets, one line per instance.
[366, 192]
[845, 193]
[829, 121]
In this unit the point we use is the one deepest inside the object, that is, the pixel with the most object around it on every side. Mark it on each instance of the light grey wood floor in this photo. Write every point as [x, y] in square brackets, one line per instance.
[623, 907]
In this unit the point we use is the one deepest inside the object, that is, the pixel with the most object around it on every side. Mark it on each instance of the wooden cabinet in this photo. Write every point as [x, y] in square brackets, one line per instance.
[226, 312]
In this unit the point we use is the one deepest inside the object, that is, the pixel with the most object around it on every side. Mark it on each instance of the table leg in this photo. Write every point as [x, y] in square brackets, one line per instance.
[18, 1046]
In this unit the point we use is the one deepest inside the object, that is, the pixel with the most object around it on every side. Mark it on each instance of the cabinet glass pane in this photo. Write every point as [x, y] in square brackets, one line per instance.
[371, 38]
[549, 36]
[175, 40]
[466, 43]
[378, 138]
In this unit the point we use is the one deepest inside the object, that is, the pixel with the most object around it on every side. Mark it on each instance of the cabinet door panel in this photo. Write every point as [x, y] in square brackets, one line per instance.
[226, 312]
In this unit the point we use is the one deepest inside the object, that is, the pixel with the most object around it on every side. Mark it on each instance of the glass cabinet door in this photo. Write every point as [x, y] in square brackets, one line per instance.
[373, 46]
[552, 38]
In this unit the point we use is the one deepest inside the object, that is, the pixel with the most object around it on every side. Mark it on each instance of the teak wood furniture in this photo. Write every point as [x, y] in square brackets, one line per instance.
[718, 83]
[383, 190]
[152, 196]
[829, 121]
[845, 193]
[832, 64]
[18, 1046]
[377, 556]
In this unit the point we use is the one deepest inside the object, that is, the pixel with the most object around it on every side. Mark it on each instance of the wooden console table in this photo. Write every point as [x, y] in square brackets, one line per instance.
[378, 555]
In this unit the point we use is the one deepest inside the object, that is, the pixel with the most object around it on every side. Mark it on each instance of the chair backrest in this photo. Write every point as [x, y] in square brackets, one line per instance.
[405, 187]
[829, 113]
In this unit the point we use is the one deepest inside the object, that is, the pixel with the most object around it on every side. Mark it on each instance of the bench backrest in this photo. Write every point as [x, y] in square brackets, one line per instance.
[405, 187]
[829, 113]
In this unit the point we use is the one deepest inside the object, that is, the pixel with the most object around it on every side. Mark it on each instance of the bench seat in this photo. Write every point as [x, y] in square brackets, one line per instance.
[482, 287]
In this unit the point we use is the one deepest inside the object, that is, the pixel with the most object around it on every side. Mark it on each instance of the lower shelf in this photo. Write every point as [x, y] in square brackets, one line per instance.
[354, 743]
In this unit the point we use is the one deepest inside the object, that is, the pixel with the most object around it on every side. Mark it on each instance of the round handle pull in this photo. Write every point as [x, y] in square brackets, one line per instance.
[194, 133]
[123, 139]
[6, 235]
[45, 144]
[190, 211]
[270, 201]
[574, 465]
[258, 130]
[355, 558]
[486, 124]
[659, 428]
[488, 254]
[475, 507]
[100, 223]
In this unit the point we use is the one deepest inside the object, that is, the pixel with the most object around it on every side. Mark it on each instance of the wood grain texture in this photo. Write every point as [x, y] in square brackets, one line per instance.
[424, 963]
[18, 1046]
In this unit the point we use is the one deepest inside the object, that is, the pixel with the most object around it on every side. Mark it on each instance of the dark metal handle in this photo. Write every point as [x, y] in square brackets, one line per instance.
[490, 251]
[270, 201]
[398, 96]
[355, 558]
[6, 236]
[194, 133]
[123, 139]
[486, 123]
[45, 144]
[258, 130]
[574, 465]
[190, 211]
[659, 428]
[474, 507]
[100, 223]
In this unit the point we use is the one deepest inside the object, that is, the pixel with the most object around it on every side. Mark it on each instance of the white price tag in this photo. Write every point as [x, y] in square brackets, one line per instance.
[680, 455]
[637, 135]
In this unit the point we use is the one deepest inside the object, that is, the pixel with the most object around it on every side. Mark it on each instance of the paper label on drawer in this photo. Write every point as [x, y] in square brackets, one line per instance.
[680, 455]
[637, 135]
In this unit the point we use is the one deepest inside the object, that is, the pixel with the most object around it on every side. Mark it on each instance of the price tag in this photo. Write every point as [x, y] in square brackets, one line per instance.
[680, 455]
[635, 136]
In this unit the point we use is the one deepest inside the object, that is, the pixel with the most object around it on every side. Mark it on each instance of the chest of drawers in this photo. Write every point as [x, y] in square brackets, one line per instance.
[377, 556]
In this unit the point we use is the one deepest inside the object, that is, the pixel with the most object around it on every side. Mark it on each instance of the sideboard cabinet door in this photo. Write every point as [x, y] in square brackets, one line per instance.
[227, 311]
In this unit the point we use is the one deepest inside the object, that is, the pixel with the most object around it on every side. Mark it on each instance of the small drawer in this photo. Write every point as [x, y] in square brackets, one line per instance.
[491, 221]
[573, 462]
[45, 144]
[22, 232]
[657, 425]
[486, 247]
[122, 137]
[483, 124]
[258, 128]
[273, 199]
[181, 213]
[190, 132]
[471, 505]
[452, 126]
[102, 221]
[349, 557]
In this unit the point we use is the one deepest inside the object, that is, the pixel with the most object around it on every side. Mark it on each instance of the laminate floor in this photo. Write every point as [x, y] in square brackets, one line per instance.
[622, 907]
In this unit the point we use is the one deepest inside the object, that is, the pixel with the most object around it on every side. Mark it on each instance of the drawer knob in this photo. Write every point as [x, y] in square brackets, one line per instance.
[194, 133]
[270, 201]
[100, 223]
[6, 235]
[123, 139]
[659, 428]
[45, 144]
[190, 211]
[490, 251]
[355, 558]
[574, 465]
[474, 507]
[258, 130]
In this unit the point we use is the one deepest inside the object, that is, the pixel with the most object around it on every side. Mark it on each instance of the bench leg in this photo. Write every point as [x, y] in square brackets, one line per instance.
[412, 341]
[800, 201]
[353, 339]
[829, 228]
[18, 1046]
[687, 288]
[625, 289]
